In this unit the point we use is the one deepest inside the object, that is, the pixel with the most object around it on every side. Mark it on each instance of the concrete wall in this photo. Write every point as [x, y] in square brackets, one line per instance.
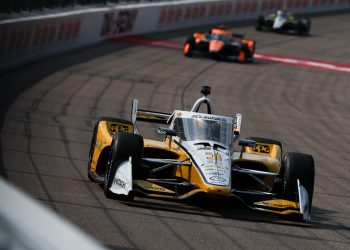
[25, 39]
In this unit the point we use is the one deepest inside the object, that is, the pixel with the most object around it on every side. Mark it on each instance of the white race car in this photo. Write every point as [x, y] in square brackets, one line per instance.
[283, 22]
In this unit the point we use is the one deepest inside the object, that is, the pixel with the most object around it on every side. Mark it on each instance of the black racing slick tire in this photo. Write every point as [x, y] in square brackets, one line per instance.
[259, 23]
[124, 145]
[188, 47]
[244, 53]
[300, 28]
[298, 166]
[308, 27]
[303, 27]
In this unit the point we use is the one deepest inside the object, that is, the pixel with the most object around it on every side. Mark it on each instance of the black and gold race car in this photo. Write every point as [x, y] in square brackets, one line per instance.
[195, 158]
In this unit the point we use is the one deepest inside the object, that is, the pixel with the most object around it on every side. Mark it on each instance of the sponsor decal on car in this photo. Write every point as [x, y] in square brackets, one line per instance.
[217, 174]
[262, 148]
[207, 117]
[282, 204]
[117, 127]
[152, 187]
[212, 157]
[119, 183]
[217, 179]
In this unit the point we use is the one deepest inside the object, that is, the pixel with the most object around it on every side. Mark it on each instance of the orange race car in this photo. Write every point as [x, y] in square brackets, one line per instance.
[222, 44]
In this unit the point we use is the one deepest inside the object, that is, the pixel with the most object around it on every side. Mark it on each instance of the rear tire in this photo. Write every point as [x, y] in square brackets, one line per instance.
[124, 145]
[298, 166]
[308, 27]
[259, 23]
[300, 28]
[303, 28]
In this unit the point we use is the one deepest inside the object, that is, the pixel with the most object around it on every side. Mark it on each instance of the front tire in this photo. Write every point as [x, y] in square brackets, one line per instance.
[187, 50]
[243, 53]
[298, 166]
[124, 145]
[247, 53]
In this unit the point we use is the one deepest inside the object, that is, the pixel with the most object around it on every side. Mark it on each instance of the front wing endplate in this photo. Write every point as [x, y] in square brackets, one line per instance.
[282, 207]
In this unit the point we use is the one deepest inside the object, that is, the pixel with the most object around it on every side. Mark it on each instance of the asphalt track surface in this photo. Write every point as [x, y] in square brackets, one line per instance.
[49, 108]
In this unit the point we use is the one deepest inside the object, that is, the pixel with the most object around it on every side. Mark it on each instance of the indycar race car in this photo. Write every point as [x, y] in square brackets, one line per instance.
[197, 158]
[284, 22]
[220, 43]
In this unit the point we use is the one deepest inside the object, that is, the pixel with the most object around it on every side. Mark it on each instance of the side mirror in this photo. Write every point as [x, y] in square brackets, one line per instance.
[166, 131]
[246, 143]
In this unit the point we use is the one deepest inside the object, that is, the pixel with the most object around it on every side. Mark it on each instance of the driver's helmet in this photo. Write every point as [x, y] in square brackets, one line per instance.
[201, 124]
[222, 27]
[283, 10]
[282, 13]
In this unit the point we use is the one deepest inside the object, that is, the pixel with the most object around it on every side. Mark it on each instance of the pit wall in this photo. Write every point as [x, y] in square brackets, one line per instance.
[26, 39]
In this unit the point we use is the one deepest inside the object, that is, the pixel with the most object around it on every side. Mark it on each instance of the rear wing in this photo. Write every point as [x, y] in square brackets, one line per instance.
[148, 115]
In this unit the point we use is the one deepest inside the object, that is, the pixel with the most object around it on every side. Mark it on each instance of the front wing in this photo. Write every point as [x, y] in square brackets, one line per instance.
[275, 206]
[176, 189]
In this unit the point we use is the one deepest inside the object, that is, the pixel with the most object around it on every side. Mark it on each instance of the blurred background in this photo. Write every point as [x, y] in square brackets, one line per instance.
[30, 6]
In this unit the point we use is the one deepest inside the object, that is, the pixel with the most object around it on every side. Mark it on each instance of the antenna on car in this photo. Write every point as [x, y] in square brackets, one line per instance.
[205, 90]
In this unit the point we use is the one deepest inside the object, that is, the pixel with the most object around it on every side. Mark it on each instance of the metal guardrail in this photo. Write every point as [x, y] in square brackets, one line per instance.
[27, 224]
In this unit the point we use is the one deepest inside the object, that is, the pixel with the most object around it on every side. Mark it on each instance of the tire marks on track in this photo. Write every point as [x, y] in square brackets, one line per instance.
[49, 199]
[276, 101]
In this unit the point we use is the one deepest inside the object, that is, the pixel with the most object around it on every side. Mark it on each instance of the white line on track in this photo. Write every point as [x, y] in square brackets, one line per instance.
[301, 62]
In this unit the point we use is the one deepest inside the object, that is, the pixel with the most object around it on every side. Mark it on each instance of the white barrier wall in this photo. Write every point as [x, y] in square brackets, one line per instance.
[22, 40]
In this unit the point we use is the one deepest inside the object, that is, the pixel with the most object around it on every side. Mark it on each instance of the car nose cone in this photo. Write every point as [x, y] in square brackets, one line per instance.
[216, 45]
